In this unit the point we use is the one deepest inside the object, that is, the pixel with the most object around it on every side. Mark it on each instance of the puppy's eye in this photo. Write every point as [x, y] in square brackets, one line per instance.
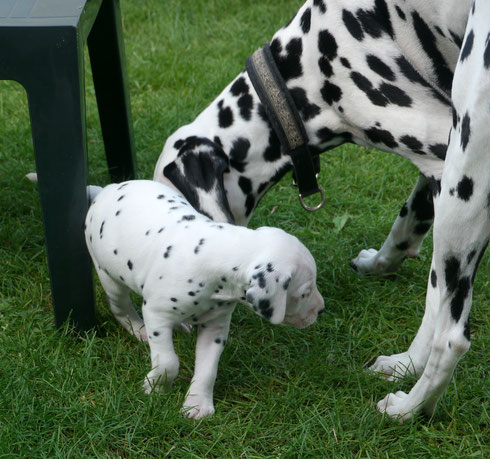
[307, 293]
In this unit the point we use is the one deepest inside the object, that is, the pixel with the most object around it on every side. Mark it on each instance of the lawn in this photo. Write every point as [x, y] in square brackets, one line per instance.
[280, 392]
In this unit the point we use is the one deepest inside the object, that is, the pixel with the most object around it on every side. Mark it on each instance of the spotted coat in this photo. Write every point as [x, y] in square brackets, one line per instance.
[145, 237]
[378, 73]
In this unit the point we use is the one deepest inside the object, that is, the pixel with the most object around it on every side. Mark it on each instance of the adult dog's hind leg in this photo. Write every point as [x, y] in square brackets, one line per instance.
[406, 236]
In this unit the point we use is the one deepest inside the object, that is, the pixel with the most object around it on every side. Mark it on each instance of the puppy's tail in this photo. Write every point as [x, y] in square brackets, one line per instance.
[92, 190]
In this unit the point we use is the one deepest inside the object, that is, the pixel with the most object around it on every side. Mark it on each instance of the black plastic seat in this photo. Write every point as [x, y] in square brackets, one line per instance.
[42, 47]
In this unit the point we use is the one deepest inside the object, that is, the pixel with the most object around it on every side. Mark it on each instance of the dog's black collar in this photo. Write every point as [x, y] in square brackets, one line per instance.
[285, 120]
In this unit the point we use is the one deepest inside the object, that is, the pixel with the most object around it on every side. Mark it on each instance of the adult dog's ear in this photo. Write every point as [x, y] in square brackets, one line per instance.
[197, 172]
[267, 292]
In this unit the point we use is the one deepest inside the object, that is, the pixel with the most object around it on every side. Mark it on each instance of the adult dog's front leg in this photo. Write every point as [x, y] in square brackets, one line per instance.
[462, 220]
[211, 340]
[406, 235]
[413, 361]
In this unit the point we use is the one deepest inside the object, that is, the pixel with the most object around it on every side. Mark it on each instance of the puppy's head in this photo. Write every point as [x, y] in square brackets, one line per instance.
[282, 285]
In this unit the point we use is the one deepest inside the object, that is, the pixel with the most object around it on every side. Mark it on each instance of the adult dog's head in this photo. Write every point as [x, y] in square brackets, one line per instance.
[195, 167]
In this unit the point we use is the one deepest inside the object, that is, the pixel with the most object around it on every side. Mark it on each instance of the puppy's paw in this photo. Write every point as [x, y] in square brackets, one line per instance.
[197, 407]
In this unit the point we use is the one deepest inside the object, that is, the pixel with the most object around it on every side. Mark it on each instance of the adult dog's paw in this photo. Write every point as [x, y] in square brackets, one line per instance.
[396, 406]
[396, 366]
[371, 262]
[197, 407]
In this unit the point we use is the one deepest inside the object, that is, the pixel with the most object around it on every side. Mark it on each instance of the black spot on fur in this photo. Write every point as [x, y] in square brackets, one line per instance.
[307, 109]
[470, 256]
[101, 231]
[451, 271]
[465, 188]
[422, 204]
[238, 153]
[439, 150]
[421, 228]
[327, 44]
[413, 143]
[330, 92]
[217, 341]
[353, 25]
[225, 116]
[456, 39]
[376, 21]
[167, 252]
[130, 265]
[460, 295]
[395, 95]
[429, 45]
[345, 62]
[239, 87]
[246, 105]
[320, 4]
[188, 218]
[245, 184]
[468, 46]
[433, 278]
[325, 66]
[401, 14]
[466, 332]
[286, 283]
[196, 251]
[403, 246]
[409, 72]
[381, 136]
[465, 131]
[404, 211]
[289, 65]
[378, 66]
[486, 54]
[273, 151]
[480, 256]
[306, 21]
[374, 95]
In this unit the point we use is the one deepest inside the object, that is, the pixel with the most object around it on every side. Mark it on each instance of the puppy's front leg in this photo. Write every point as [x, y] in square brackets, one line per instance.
[211, 340]
[164, 360]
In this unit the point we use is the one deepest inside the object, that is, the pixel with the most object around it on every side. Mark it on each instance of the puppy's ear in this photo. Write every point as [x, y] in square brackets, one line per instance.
[267, 292]
[197, 172]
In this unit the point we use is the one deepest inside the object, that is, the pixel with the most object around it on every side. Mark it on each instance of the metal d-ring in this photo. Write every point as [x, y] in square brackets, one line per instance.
[318, 206]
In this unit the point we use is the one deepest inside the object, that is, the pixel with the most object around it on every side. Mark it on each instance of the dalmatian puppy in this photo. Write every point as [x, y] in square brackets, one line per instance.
[376, 73]
[145, 237]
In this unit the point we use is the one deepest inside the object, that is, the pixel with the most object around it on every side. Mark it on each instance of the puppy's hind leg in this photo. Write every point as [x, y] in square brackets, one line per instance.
[164, 360]
[122, 307]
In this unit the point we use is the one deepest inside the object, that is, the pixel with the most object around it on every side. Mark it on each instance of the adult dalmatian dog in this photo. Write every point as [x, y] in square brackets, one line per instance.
[377, 73]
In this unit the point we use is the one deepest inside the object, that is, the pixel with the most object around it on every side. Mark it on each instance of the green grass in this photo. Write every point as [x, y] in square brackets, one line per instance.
[280, 392]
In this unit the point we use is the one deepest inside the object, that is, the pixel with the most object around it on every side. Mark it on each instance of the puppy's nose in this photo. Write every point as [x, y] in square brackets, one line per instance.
[321, 311]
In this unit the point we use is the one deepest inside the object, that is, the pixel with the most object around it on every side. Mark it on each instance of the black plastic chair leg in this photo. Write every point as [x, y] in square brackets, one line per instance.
[56, 99]
[106, 50]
